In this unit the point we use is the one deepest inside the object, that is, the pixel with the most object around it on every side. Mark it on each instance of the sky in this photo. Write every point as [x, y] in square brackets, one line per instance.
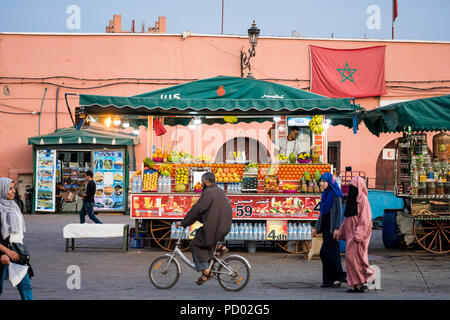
[372, 19]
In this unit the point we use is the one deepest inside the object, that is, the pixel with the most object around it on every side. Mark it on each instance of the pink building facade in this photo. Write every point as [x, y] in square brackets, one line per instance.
[129, 64]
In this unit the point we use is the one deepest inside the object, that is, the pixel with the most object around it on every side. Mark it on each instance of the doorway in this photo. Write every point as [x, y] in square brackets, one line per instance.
[334, 154]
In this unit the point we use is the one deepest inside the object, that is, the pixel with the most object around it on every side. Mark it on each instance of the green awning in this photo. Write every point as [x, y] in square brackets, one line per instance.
[428, 114]
[219, 96]
[84, 136]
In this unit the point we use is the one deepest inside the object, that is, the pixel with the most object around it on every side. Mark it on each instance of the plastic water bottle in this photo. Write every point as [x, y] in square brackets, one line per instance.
[175, 233]
[308, 233]
[172, 230]
[303, 232]
[136, 186]
[263, 231]
[250, 232]
[246, 232]
[168, 184]
[160, 184]
[296, 231]
[233, 231]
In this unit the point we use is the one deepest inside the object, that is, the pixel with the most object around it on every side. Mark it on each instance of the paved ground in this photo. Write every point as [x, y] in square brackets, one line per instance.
[275, 274]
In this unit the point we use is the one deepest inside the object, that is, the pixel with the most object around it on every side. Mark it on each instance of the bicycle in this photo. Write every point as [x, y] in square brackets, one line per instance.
[232, 272]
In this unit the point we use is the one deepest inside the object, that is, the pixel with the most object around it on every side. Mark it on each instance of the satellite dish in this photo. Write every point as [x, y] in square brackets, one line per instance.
[296, 34]
[6, 91]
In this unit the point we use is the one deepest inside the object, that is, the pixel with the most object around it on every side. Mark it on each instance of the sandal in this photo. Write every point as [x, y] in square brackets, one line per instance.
[355, 289]
[203, 278]
[221, 251]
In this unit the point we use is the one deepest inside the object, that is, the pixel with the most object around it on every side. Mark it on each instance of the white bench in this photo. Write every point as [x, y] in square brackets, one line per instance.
[93, 230]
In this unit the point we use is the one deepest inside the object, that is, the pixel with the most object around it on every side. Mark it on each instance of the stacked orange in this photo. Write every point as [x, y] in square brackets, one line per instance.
[294, 171]
[228, 172]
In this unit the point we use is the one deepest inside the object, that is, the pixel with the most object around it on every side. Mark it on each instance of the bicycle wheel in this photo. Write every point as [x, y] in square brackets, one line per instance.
[234, 274]
[163, 274]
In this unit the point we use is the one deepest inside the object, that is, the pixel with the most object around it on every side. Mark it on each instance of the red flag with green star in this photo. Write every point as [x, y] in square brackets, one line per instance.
[347, 73]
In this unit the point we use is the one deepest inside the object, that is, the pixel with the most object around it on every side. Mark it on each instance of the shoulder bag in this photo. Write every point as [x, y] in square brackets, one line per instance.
[22, 251]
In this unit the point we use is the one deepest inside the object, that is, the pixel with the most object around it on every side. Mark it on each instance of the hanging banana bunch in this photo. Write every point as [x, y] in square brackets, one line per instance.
[230, 119]
[316, 124]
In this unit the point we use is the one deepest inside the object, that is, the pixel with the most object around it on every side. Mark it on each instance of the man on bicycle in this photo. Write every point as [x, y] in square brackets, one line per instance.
[214, 211]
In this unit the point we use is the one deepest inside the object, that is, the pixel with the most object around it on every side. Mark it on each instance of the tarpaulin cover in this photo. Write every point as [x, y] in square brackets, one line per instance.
[428, 114]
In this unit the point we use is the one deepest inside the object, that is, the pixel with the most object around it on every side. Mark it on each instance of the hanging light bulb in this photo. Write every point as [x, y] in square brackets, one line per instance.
[197, 121]
[117, 122]
[108, 122]
[126, 124]
[276, 118]
[136, 132]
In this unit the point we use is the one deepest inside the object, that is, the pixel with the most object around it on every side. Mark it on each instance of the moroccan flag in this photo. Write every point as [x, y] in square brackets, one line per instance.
[395, 9]
[347, 73]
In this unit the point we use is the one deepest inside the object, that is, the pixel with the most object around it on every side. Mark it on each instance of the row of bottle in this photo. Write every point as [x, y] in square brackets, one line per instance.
[231, 187]
[299, 231]
[179, 233]
[164, 184]
[247, 231]
[136, 185]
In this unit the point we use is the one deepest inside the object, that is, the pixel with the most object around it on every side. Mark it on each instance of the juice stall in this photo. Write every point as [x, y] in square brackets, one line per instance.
[275, 199]
[422, 176]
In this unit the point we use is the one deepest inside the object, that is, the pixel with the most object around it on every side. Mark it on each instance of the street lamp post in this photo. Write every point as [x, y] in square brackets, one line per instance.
[253, 34]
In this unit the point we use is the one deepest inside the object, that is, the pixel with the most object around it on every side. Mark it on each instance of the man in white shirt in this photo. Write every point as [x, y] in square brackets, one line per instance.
[290, 144]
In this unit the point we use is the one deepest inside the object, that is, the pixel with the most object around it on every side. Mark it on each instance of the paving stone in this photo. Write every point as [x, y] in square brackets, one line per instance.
[277, 275]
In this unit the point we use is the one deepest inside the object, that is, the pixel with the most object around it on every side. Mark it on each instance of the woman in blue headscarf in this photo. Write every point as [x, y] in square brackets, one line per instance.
[328, 225]
[12, 227]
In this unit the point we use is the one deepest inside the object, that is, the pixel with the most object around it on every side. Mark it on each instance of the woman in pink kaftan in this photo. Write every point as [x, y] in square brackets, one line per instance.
[356, 231]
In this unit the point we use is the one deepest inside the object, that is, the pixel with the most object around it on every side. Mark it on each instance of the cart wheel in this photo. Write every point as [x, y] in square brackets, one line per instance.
[433, 235]
[295, 247]
[160, 230]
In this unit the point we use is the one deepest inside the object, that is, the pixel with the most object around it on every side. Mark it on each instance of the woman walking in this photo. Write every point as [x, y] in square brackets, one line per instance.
[356, 231]
[12, 227]
[328, 224]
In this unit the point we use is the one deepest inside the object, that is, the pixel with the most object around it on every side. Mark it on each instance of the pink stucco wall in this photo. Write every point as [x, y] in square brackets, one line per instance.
[125, 65]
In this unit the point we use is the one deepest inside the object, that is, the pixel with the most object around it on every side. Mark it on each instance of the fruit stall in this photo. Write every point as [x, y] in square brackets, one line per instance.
[275, 201]
[422, 176]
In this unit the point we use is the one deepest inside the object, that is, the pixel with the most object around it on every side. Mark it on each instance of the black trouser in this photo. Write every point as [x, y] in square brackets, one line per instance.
[331, 261]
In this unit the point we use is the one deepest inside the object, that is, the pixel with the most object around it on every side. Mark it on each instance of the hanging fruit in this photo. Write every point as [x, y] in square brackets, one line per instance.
[230, 119]
[316, 124]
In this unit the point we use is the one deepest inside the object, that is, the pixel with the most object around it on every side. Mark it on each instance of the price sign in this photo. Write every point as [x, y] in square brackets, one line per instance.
[276, 230]
[193, 229]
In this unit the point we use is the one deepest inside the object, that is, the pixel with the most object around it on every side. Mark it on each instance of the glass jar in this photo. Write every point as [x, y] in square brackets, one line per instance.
[415, 175]
[440, 188]
[415, 188]
[422, 175]
[436, 165]
[447, 188]
[431, 188]
[422, 188]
